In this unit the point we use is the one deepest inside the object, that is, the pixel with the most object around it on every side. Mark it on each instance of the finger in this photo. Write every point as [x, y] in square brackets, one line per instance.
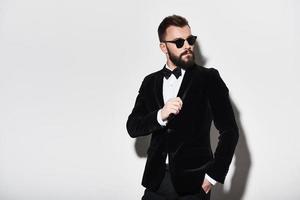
[175, 107]
[176, 103]
[176, 100]
[206, 189]
[173, 111]
[179, 100]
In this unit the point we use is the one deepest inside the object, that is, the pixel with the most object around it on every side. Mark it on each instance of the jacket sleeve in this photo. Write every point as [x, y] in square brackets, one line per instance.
[142, 121]
[224, 121]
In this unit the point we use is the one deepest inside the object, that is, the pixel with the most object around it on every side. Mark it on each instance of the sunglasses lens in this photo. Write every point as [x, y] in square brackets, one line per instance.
[191, 40]
[179, 43]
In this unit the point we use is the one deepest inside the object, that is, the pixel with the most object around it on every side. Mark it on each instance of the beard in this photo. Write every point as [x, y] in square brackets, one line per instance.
[179, 62]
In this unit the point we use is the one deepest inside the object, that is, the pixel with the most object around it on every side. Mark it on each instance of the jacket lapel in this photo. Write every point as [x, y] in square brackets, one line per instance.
[185, 84]
[158, 86]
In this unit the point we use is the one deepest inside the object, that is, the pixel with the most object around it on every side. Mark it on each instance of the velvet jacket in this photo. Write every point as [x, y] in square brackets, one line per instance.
[186, 137]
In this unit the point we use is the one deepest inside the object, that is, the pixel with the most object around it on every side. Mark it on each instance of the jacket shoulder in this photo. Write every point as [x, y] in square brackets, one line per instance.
[205, 70]
[150, 79]
[153, 74]
[214, 80]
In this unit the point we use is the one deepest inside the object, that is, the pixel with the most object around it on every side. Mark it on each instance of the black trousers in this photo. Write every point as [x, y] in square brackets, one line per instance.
[166, 191]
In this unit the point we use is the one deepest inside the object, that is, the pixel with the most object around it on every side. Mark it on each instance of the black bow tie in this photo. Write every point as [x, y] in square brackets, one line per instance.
[167, 73]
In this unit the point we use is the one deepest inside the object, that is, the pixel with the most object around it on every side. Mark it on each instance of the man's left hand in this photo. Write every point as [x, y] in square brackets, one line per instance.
[206, 186]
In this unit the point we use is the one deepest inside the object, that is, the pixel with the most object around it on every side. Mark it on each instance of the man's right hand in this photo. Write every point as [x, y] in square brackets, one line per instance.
[172, 106]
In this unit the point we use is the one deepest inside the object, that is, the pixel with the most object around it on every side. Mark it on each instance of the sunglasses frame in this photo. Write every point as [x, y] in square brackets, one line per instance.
[180, 41]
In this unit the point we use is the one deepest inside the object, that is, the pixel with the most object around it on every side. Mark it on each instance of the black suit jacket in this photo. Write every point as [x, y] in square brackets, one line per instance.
[186, 138]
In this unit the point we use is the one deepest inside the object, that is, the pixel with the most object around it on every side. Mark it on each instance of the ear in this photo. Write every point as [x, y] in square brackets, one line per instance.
[163, 47]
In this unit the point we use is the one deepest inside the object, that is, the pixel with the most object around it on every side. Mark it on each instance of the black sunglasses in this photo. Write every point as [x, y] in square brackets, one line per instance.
[180, 42]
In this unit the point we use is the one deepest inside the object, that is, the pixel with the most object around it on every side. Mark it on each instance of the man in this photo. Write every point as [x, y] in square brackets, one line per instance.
[177, 105]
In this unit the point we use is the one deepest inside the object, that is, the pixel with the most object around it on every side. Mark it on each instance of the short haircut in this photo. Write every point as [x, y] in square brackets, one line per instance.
[173, 20]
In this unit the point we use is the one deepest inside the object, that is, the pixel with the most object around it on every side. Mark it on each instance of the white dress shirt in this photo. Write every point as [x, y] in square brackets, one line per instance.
[170, 90]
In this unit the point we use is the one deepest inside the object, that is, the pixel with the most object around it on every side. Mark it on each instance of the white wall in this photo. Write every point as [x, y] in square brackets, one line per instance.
[69, 75]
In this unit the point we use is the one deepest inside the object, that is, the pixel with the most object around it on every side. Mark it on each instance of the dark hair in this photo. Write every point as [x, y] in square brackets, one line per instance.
[173, 20]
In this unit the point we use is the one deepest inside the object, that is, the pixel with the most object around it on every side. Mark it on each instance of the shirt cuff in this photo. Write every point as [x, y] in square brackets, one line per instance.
[211, 180]
[159, 120]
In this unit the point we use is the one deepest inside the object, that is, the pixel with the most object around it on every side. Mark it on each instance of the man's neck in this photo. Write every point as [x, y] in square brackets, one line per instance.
[170, 66]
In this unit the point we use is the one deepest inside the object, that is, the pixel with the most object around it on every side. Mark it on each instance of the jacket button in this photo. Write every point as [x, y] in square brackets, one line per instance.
[169, 130]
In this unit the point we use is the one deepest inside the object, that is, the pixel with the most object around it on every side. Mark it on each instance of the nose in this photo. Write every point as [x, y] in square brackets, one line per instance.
[186, 45]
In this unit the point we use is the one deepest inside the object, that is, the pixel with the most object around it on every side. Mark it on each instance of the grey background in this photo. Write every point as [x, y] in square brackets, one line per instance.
[70, 72]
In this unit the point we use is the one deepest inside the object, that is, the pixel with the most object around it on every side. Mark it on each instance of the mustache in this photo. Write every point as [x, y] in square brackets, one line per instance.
[187, 52]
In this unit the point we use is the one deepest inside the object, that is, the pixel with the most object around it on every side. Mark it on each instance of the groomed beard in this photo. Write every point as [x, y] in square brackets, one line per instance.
[179, 62]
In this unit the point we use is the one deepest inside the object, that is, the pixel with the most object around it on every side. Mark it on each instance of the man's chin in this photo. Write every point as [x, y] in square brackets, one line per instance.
[184, 61]
[187, 64]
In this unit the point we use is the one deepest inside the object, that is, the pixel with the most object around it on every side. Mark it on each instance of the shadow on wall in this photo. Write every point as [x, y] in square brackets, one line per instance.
[242, 165]
[242, 155]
